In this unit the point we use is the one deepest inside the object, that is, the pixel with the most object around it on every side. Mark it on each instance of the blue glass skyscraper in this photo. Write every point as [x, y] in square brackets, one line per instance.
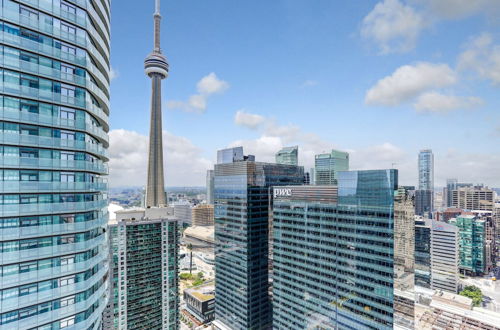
[343, 255]
[242, 206]
[54, 107]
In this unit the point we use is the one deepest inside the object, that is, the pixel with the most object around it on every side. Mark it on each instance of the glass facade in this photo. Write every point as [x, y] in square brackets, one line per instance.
[54, 107]
[339, 256]
[472, 237]
[426, 170]
[423, 253]
[328, 165]
[288, 156]
[144, 272]
[242, 207]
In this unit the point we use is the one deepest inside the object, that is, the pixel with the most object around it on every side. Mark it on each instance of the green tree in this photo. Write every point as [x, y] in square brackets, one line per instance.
[474, 293]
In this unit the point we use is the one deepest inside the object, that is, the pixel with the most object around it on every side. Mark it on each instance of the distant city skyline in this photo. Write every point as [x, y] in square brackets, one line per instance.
[230, 84]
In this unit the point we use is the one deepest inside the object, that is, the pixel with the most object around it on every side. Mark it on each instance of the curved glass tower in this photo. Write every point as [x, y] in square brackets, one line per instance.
[54, 106]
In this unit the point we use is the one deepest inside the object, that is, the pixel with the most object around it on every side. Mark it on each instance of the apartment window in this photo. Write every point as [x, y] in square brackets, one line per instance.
[28, 12]
[27, 312]
[67, 90]
[68, 49]
[28, 106]
[67, 7]
[29, 176]
[28, 289]
[67, 301]
[67, 177]
[28, 58]
[67, 261]
[68, 218]
[27, 267]
[67, 239]
[65, 155]
[66, 281]
[66, 113]
[28, 81]
[66, 135]
[67, 322]
[27, 199]
[68, 69]
[68, 28]
[30, 35]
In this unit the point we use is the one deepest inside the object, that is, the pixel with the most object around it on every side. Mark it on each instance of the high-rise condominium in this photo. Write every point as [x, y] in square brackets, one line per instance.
[474, 198]
[288, 156]
[241, 233]
[424, 196]
[144, 244]
[343, 255]
[54, 107]
[328, 165]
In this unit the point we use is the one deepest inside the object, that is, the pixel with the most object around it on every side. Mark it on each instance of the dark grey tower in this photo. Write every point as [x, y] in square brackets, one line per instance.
[156, 67]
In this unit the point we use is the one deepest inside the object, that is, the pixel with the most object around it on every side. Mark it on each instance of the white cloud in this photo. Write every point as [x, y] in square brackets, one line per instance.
[113, 74]
[483, 57]
[248, 120]
[469, 167]
[210, 84]
[393, 25]
[197, 103]
[408, 81]
[184, 165]
[441, 103]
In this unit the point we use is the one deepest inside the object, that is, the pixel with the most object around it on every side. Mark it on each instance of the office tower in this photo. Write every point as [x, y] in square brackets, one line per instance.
[203, 215]
[423, 253]
[144, 244]
[474, 198]
[156, 67]
[328, 165]
[451, 184]
[448, 214]
[444, 256]
[242, 205]
[210, 187]
[312, 176]
[426, 170]
[230, 155]
[472, 234]
[183, 213]
[54, 107]
[307, 178]
[335, 269]
[424, 196]
[490, 244]
[424, 202]
[288, 156]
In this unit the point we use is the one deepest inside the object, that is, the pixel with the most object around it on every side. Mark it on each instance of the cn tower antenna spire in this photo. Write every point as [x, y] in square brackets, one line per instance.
[156, 67]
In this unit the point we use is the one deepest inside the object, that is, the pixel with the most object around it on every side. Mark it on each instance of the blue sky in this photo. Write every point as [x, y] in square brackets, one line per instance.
[381, 79]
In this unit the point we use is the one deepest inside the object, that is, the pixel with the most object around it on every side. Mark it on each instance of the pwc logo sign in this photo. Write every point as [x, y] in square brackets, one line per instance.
[282, 192]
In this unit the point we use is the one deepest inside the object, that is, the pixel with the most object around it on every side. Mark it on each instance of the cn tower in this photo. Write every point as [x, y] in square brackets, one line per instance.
[156, 67]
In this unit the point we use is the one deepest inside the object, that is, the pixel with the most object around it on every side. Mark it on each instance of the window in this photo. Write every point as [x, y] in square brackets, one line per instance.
[68, 28]
[28, 57]
[67, 301]
[28, 106]
[66, 155]
[65, 68]
[68, 218]
[67, 7]
[27, 289]
[27, 312]
[28, 12]
[67, 90]
[67, 322]
[67, 239]
[67, 113]
[29, 81]
[28, 199]
[67, 177]
[29, 176]
[67, 260]
[67, 280]
[28, 153]
[67, 135]
[28, 267]
[68, 49]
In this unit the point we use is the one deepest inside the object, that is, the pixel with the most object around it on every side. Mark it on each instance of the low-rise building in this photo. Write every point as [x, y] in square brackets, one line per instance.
[200, 302]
